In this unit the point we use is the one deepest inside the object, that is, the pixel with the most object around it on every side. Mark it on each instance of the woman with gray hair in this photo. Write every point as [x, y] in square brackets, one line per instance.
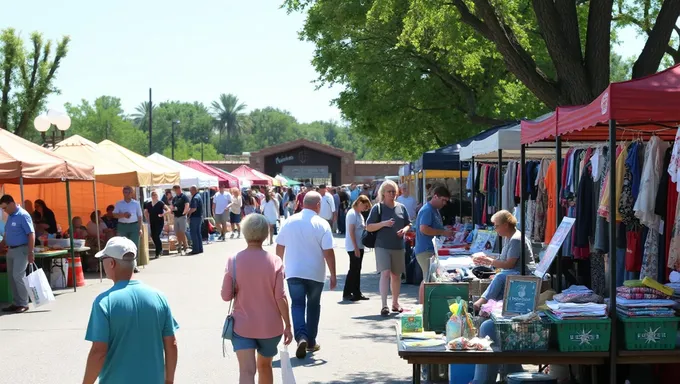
[391, 221]
[260, 313]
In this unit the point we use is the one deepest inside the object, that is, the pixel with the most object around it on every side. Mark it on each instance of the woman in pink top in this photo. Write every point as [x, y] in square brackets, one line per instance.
[260, 307]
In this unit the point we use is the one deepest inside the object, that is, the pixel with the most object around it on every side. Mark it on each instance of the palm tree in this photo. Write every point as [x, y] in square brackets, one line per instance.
[141, 116]
[229, 114]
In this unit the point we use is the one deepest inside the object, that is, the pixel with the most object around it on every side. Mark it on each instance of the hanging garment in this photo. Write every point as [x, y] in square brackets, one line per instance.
[650, 257]
[674, 167]
[626, 201]
[660, 209]
[597, 274]
[649, 186]
[551, 210]
[633, 250]
[531, 208]
[508, 189]
[541, 204]
[601, 225]
[618, 167]
[585, 226]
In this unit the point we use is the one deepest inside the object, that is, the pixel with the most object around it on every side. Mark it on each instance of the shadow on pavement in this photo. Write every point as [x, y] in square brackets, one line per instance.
[366, 377]
[308, 361]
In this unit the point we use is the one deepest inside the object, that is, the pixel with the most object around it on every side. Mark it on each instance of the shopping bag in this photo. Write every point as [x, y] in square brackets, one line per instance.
[287, 375]
[38, 287]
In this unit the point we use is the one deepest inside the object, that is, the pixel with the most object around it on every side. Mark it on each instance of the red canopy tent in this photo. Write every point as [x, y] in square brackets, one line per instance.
[225, 179]
[245, 172]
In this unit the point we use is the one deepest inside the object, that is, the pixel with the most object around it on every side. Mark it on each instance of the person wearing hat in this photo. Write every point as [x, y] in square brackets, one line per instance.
[131, 325]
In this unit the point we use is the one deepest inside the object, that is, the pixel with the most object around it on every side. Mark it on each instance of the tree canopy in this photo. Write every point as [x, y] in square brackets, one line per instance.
[422, 73]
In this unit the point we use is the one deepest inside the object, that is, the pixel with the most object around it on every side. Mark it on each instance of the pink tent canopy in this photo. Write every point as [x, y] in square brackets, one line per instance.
[225, 179]
[245, 172]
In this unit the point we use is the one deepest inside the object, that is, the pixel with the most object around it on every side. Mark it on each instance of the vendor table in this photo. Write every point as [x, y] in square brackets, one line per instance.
[439, 355]
[649, 357]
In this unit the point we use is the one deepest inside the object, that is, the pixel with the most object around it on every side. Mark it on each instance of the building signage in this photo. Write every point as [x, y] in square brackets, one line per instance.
[305, 172]
[284, 159]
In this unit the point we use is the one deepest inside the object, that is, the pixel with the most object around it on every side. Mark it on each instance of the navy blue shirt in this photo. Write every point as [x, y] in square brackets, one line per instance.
[430, 217]
[197, 203]
[19, 225]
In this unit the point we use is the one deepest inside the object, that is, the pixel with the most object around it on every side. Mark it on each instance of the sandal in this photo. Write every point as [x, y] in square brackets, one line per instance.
[385, 312]
[398, 309]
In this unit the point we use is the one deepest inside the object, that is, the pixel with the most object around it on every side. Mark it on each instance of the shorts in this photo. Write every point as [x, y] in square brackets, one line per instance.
[424, 262]
[221, 218]
[181, 224]
[390, 259]
[271, 220]
[234, 218]
[265, 347]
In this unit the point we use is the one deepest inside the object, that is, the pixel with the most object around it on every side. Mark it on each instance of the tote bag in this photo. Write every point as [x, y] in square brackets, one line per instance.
[368, 238]
[39, 290]
[228, 327]
[287, 375]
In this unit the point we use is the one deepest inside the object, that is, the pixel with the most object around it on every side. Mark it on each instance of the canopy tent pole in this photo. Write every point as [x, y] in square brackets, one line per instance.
[460, 203]
[424, 188]
[612, 250]
[96, 212]
[499, 191]
[522, 212]
[21, 190]
[473, 168]
[558, 180]
[70, 235]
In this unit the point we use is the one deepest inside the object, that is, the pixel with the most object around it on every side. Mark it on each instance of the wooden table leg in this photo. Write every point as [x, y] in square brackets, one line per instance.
[416, 373]
[593, 374]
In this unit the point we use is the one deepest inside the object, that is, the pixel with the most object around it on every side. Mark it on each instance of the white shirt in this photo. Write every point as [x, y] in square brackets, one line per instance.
[132, 207]
[649, 184]
[305, 236]
[410, 203]
[327, 206]
[221, 201]
[270, 210]
[92, 228]
[353, 217]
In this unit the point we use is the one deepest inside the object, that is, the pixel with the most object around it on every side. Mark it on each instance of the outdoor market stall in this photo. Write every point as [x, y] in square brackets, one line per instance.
[287, 181]
[225, 179]
[187, 176]
[640, 116]
[25, 163]
[255, 177]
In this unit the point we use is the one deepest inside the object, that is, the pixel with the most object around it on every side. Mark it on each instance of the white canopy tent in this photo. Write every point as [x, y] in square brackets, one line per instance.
[187, 176]
[506, 140]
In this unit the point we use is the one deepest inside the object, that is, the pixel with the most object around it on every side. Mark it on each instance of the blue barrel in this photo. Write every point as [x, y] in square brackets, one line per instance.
[529, 377]
[461, 373]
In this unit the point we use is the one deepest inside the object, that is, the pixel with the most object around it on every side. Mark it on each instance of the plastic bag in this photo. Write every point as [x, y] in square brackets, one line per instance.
[287, 375]
[39, 290]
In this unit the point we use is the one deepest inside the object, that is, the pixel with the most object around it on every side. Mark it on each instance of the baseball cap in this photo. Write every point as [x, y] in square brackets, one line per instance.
[120, 248]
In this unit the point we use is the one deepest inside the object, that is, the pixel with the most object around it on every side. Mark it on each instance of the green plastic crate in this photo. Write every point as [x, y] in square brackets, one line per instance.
[5, 292]
[648, 333]
[582, 335]
[515, 336]
[436, 306]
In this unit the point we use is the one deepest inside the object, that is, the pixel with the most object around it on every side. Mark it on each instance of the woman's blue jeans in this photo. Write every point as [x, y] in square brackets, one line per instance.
[488, 373]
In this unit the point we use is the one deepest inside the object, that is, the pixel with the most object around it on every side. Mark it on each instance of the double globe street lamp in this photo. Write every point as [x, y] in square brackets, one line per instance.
[43, 123]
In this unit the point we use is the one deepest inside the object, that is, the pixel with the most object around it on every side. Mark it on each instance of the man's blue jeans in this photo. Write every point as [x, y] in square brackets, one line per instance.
[195, 232]
[305, 296]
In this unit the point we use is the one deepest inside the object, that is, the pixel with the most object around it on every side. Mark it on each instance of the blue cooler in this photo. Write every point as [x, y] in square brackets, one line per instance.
[461, 373]
[530, 378]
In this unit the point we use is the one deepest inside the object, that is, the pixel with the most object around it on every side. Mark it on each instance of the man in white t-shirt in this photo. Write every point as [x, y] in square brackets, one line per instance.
[129, 215]
[220, 202]
[407, 201]
[305, 243]
[328, 211]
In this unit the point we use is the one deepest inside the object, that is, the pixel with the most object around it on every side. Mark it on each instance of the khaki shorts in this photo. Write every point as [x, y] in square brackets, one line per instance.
[222, 218]
[390, 259]
[424, 262]
[181, 224]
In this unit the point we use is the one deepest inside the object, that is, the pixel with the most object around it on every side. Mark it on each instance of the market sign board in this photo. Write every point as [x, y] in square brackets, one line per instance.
[521, 294]
[305, 172]
[555, 245]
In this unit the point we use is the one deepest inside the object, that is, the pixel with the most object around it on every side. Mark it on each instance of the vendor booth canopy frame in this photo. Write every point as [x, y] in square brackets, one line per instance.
[255, 178]
[225, 179]
[187, 176]
[161, 175]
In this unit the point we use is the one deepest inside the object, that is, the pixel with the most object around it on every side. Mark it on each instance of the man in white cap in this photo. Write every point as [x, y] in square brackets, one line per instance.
[131, 326]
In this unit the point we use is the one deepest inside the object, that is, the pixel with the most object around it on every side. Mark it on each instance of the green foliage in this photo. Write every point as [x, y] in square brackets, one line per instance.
[185, 150]
[26, 78]
[229, 115]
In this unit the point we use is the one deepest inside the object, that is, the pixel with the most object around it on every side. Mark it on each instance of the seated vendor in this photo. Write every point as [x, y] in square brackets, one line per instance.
[40, 227]
[508, 261]
[79, 231]
[108, 219]
[92, 226]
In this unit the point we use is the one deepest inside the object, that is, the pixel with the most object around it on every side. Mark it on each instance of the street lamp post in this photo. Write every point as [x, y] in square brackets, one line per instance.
[174, 123]
[42, 124]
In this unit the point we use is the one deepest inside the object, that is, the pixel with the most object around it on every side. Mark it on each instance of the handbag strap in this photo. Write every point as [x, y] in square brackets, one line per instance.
[233, 287]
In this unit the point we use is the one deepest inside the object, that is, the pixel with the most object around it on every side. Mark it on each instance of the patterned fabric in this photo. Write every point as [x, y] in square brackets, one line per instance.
[640, 290]
[674, 167]
[650, 258]
[541, 205]
[638, 296]
[580, 298]
[674, 249]
[597, 276]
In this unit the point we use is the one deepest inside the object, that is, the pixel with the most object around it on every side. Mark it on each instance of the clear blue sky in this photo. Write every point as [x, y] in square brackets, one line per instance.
[184, 50]
[187, 50]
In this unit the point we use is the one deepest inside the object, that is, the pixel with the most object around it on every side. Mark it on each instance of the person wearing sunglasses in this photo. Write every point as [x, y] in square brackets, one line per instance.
[19, 240]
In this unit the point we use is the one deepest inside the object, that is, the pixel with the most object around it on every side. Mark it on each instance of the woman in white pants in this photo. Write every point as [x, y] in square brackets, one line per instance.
[270, 209]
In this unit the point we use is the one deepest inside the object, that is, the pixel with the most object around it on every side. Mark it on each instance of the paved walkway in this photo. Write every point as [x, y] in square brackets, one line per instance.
[47, 345]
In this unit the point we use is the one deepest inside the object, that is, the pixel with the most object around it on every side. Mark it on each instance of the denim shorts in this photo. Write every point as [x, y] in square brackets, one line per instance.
[265, 347]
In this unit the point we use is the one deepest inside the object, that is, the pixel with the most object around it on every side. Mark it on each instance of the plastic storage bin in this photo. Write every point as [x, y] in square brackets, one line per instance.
[582, 335]
[461, 373]
[530, 378]
[515, 336]
[436, 305]
[648, 333]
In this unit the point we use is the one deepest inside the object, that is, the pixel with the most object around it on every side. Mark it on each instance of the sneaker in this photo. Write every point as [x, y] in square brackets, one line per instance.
[232, 235]
[301, 351]
[315, 348]
[238, 235]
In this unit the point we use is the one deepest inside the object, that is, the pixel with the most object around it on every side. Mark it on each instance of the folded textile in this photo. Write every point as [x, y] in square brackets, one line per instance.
[633, 283]
[650, 313]
[640, 296]
[586, 297]
[649, 282]
[575, 307]
[580, 315]
[644, 303]
[638, 290]
[675, 277]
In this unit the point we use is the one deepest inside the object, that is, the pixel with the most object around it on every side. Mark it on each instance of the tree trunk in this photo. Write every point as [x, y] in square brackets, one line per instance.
[657, 43]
